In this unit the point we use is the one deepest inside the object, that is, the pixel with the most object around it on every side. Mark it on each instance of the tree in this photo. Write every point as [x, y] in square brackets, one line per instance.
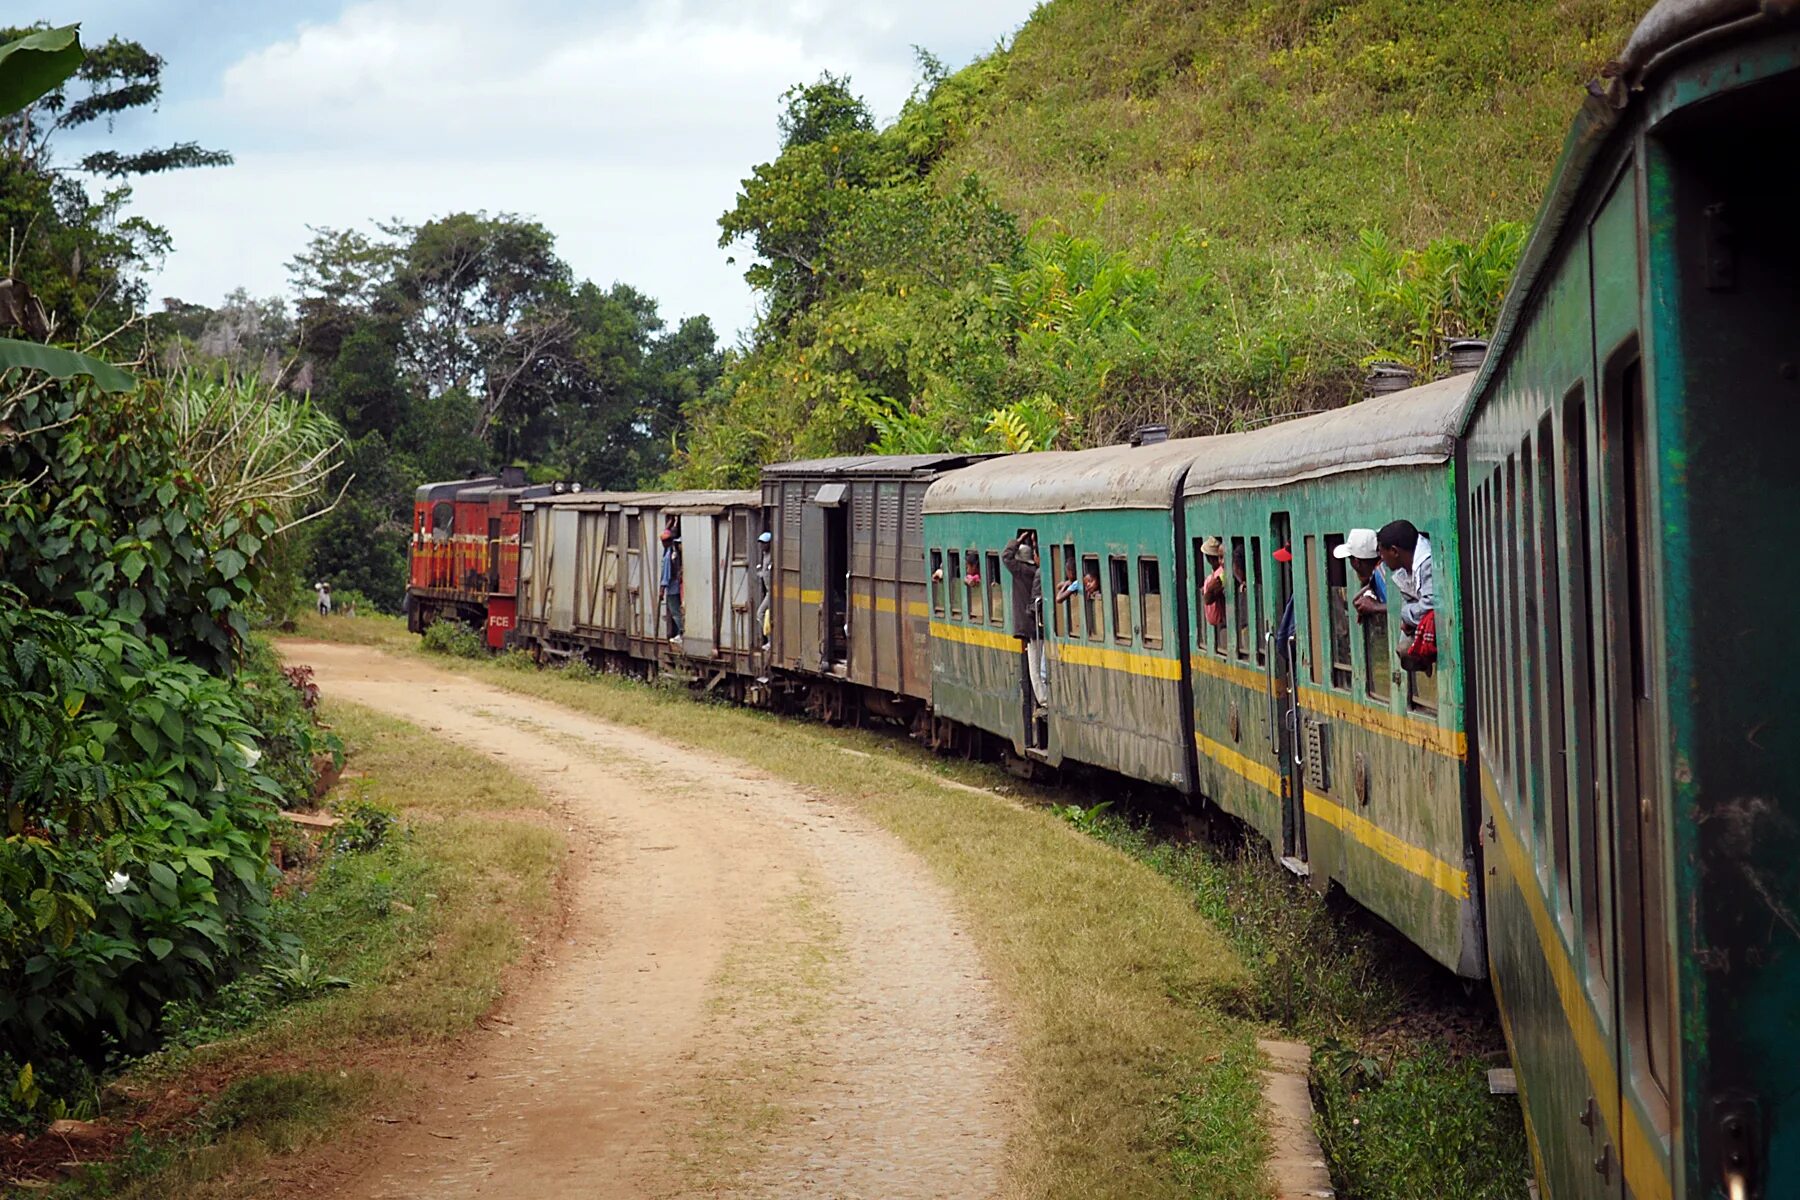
[83, 256]
[116, 77]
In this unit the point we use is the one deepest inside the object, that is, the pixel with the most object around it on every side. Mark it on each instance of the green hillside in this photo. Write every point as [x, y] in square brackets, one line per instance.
[1286, 123]
[1205, 214]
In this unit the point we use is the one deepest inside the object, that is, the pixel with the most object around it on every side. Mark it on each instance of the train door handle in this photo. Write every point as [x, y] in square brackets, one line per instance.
[1603, 1164]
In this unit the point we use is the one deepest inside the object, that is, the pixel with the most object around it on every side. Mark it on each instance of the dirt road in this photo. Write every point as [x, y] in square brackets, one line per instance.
[758, 993]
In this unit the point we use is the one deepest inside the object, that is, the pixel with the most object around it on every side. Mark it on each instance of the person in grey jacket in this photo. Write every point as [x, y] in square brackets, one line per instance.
[1406, 553]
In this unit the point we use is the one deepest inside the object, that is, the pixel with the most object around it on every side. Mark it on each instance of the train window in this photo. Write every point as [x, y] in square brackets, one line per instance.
[1421, 686]
[1090, 597]
[1596, 916]
[1507, 579]
[937, 582]
[1638, 766]
[1550, 584]
[1309, 580]
[1058, 615]
[953, 583]
[443, 519]
[740, 537]
[1337, 604]
[972, 583]
[1378, 651]
[996, 591]
[1121, 597]
[1256, 608]
[1065, 607]
[1150, 600]
[1201, 572]
[1218, 632]
[1532, 649]
[633, 536]
[1237, 582]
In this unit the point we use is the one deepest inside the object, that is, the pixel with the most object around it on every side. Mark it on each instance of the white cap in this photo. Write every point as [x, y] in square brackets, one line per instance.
[1358, 543]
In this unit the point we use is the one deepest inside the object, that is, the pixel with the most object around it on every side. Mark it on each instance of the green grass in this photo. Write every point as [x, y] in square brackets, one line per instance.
[1135, 1072]
[1400, 1114]
[1281, 124]
[424, 928]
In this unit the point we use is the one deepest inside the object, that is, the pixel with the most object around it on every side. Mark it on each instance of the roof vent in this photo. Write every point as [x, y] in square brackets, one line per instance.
[1467, 355]
[512, 477]
[1385, 377]
[1149, 435]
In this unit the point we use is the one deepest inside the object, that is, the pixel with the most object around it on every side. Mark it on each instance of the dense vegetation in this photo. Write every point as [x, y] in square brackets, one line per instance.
[145, 749]
[1200, 214]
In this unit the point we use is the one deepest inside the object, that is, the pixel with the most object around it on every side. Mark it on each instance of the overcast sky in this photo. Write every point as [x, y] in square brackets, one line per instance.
[624, 127]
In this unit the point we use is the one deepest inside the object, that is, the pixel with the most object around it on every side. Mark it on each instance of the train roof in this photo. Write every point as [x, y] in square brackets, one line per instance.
[449, 489]
[1666, 35]
[1067, 480]
[1417, 426]
[871, 464]
[688, 501]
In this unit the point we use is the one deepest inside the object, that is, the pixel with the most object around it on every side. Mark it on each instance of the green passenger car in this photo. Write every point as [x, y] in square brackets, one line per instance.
[1115, 692]
[1355, 770]
[1634, 513]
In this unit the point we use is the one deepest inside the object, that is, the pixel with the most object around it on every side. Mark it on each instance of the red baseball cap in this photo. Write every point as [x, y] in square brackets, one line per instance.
[1283, 554]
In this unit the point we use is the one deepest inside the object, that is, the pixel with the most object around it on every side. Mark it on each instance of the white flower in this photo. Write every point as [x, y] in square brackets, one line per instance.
[118, 883]
[251, 754]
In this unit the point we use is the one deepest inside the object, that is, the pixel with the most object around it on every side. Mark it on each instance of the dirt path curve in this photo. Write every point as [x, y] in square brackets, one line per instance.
[758, 994]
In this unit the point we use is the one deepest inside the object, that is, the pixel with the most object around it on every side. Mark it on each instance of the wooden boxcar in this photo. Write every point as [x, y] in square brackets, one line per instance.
[850, 577]
[1115, 694]
[592, 577]
[1354, 769]
[1634, 511]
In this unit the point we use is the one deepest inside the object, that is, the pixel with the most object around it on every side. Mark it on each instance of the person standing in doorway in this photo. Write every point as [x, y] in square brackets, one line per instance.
[671, 580]
[765, 578]
[1020, 558]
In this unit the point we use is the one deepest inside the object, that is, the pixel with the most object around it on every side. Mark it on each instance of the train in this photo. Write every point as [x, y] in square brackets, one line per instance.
[1585, 796]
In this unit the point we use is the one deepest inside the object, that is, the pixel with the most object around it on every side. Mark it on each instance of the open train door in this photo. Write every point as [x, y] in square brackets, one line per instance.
[699, 585]
[812, 581]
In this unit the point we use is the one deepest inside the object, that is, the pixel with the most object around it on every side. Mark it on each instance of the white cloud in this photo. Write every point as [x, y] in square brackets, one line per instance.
[625, 129]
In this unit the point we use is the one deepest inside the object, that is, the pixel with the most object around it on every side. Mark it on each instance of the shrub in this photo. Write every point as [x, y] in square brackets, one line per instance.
[453, 638]
[278, 701]
[135, 869]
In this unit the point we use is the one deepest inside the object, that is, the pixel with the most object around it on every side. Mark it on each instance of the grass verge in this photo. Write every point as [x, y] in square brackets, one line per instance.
[419, 930]
[1135, 1073]
[1401, 1053]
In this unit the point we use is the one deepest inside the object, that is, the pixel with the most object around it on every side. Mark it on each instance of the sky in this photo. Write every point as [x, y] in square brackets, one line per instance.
[625, 128]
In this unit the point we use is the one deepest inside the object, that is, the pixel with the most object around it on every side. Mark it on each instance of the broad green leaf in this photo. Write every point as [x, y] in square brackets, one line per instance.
[59, 363]
[37, 63]
[161, 947]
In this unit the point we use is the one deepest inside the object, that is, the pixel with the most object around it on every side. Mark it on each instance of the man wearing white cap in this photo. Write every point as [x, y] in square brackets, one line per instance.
[1365, 559]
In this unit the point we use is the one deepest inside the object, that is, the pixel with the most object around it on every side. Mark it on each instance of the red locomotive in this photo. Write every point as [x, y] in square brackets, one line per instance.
[464, 558]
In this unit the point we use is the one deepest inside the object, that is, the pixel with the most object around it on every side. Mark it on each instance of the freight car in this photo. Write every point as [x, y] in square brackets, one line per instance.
[591, 582]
